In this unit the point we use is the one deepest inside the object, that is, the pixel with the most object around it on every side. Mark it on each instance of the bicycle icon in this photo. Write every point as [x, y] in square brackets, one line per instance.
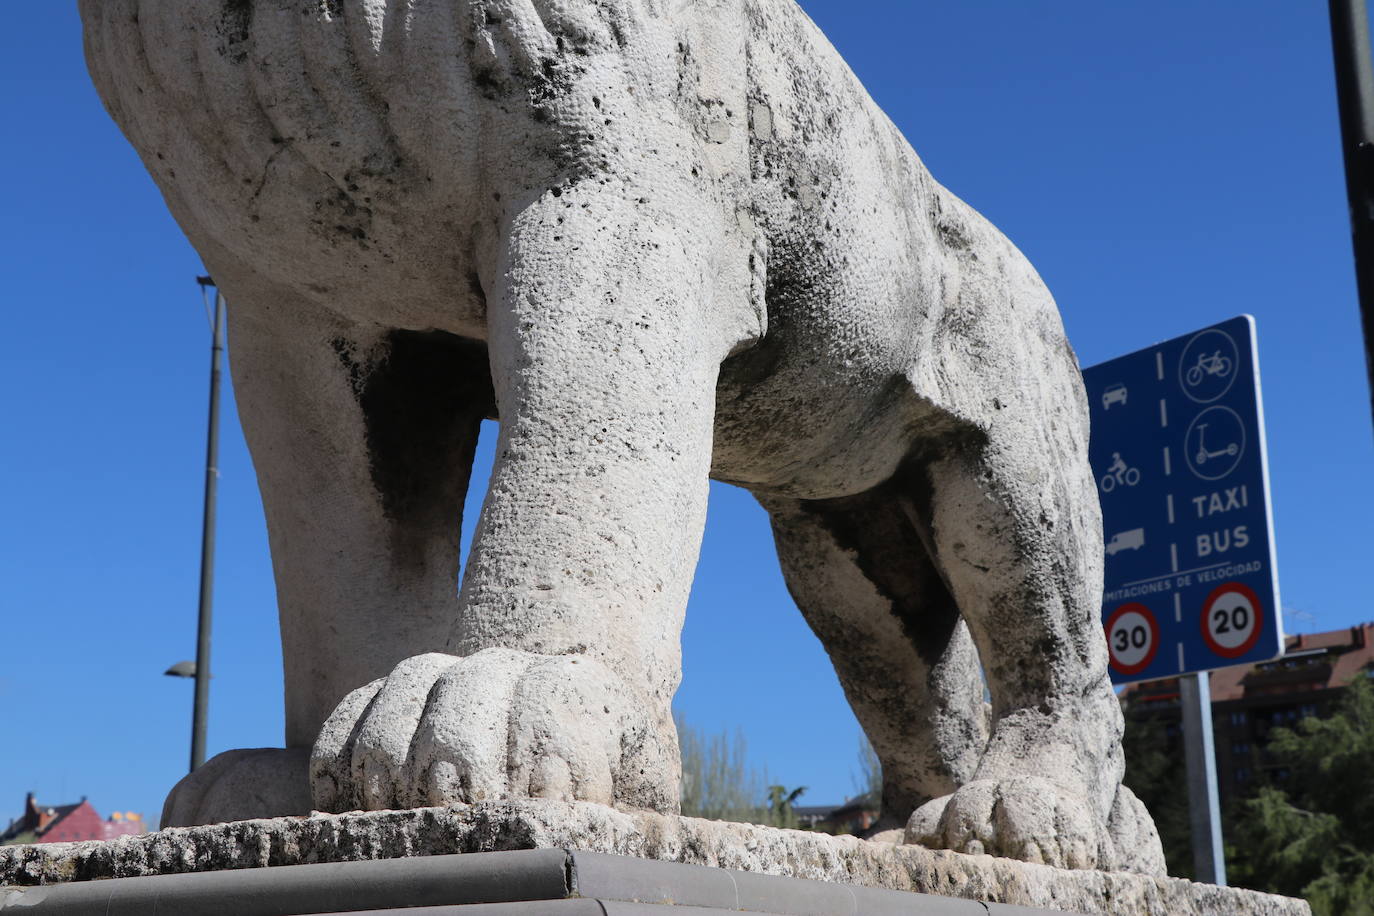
[1208, 366]
[1119, 474]
[1214, 364]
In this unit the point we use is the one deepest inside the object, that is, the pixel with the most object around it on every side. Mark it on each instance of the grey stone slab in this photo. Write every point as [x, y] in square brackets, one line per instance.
[589, 828]
[648, 881]
[495, 877]
[819, 898]
[623, 878]
[579, 907]
[530, 881]
[523, 908]
[624, 908]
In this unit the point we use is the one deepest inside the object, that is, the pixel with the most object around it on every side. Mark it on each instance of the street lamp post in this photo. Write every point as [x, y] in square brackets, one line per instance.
[201, 704]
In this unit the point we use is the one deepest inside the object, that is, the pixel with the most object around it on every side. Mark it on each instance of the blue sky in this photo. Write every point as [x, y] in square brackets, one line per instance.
[1165, 166]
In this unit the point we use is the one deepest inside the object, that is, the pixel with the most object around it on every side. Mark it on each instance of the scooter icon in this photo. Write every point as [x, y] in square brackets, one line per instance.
[1202, 451]
[1216, 364]
[1118, 472]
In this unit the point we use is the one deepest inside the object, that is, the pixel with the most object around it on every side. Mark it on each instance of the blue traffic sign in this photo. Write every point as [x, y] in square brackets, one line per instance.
[1178, 451]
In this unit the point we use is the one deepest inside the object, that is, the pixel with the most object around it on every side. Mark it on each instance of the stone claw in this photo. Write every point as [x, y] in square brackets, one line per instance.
[241, 785]
[1036, 820]
[501, 723]
[1026, 817]
[1135, 844]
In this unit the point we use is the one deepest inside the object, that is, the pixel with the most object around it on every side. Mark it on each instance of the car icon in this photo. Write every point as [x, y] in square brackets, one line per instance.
[1114, 394]
[1126, 540]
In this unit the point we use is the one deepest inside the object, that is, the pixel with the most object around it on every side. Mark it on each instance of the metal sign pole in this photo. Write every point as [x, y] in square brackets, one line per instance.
[1355, 99]
[1204, 812]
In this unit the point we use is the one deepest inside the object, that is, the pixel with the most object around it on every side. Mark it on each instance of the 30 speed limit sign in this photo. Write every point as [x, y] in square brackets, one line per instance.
[1232, 619]
[1132, 638]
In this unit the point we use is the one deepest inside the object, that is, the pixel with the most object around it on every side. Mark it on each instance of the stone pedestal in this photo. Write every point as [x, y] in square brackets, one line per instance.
[384, 860]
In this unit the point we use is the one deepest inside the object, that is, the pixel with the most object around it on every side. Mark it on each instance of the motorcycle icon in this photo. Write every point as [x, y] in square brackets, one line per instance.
[1202, 451]
[1119, 473]
[1216, 364]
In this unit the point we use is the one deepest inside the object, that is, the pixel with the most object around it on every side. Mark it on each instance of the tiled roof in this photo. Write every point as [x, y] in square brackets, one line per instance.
[25, 823]
[1347, 652]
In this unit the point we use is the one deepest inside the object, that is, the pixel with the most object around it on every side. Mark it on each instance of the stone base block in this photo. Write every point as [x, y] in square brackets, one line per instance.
[580, 868]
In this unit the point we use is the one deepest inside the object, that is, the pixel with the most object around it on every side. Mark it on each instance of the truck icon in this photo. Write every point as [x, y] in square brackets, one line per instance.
[1134, 539]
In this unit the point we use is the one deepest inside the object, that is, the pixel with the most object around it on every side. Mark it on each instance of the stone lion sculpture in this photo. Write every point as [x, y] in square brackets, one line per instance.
[660, 242]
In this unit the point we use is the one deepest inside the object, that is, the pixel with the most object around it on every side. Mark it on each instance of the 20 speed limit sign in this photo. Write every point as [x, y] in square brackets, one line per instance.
[1132, 638]
[1232, 619]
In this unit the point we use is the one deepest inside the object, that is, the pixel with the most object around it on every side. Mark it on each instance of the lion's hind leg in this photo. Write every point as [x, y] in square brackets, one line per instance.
[860, 572]
[1016, 530]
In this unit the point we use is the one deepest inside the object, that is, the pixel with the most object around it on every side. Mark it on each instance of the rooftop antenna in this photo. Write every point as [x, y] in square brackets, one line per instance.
[1303, 618]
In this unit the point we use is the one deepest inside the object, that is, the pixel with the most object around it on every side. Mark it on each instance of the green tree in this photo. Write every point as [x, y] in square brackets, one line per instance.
[1160, 780]
[869, 782]
[780, 806]
[719, 784]
[717, 781]
[1312, 834]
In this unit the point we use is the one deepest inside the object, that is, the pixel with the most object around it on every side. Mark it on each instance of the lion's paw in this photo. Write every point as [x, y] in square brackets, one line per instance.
[1024, 817]
[240, 785]
[1135, 844]
[500, 723]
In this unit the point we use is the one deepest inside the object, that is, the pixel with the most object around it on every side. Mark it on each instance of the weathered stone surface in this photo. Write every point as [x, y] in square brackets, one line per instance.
[547, 824]
[661, 241]
[240, 784]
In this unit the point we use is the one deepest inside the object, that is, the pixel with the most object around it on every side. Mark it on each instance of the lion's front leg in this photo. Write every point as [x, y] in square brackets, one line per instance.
[565, 655]
[362, 436]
